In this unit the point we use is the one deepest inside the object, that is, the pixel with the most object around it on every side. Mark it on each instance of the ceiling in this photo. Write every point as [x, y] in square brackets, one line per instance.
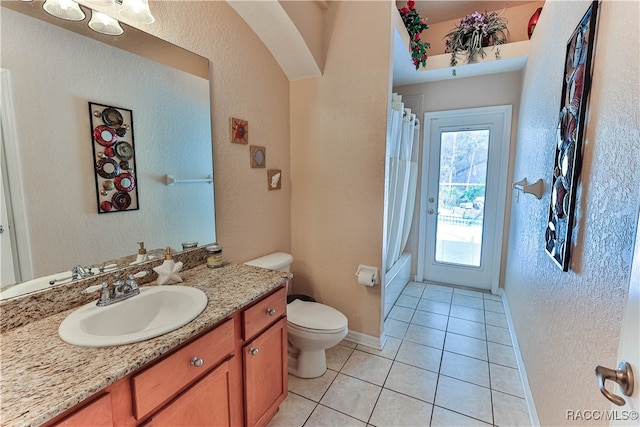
[444, 10]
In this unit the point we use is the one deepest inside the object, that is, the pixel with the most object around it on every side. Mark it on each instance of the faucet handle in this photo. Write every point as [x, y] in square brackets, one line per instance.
[93, 288]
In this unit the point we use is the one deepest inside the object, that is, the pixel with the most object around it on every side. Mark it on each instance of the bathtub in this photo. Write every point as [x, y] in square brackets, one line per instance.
[395, 280]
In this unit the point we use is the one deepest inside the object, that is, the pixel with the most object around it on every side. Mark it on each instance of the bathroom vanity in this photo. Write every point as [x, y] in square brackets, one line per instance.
[226, 367]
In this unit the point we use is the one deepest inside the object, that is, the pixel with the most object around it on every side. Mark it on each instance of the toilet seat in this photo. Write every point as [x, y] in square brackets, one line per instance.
[315, 317]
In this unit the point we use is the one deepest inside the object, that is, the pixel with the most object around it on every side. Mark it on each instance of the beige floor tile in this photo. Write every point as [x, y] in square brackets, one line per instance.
[352, 397]
[337, 356]
[506, 380]
[389, 351]
[498, 334]
[327, 417]
[492, 297]
[465, 398]
[293, 412]
[467, 313]
[445, 418]
[466, 346]
[312, 388]
[502, 354]
[402, 314]
[415, 382]
[496, 319]
[434, 306]
[349, 344]
[495, 306]
[413, 290]
[419, 355]
[395, 328]
[437, 295]
[407, 301]
[510, 411]
[467, 301]
[395, 409]
[467, 328]
[468, 292]
[425, 336]
[465, 368]
[431, 320]
[439, 288]
[367, 367]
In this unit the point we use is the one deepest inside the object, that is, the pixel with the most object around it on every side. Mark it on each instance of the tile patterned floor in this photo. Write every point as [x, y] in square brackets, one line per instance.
[448, 361]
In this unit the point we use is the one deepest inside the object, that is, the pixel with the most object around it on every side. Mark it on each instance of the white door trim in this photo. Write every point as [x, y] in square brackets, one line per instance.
[506, 111]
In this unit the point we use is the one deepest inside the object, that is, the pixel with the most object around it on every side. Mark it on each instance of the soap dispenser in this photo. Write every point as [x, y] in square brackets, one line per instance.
[142, 254]
[168, 271]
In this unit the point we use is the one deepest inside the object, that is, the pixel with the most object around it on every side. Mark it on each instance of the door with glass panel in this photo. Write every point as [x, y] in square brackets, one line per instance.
[464, 187]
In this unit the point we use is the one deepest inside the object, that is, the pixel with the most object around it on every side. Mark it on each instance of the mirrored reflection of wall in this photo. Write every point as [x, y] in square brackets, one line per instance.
[54, 74]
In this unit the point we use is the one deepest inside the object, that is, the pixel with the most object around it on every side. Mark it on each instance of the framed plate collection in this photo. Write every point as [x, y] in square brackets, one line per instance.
[569, 136]
[114, 157]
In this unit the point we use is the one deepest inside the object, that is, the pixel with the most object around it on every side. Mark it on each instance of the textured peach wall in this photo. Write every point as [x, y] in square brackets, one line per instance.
[568, 322]
[338, 133]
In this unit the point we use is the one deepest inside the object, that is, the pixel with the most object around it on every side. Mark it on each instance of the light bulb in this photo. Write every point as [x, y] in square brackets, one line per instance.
[104, 24]
[137, 11]
[65, 9]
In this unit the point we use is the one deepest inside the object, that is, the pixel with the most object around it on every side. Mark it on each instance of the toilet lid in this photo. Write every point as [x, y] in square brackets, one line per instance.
[313, 315]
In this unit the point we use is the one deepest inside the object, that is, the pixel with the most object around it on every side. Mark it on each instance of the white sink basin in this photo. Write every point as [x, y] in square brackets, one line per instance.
[155, 311]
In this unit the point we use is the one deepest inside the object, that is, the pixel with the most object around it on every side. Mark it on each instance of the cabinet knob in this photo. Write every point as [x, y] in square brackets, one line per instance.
[271, 311]
[253, 351]
[197, 362]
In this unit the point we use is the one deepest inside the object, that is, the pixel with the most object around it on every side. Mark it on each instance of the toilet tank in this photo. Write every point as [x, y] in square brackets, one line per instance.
[280, 261]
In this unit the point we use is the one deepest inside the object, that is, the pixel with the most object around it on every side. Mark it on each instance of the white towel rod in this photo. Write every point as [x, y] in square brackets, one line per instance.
[170, 180]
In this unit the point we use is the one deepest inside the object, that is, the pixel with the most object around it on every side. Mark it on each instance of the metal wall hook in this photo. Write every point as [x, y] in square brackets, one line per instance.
[623, 376]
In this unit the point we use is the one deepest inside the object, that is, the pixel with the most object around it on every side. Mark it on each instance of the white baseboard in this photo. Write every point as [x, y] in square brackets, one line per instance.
[364, 339]
[528, 396]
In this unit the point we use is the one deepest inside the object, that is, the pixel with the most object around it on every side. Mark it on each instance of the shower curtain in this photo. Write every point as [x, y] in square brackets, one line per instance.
[403, 177]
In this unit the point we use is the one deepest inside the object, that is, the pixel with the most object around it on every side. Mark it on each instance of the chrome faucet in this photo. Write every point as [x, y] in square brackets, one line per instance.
[120, 291]
[80, 271]
[77, 272]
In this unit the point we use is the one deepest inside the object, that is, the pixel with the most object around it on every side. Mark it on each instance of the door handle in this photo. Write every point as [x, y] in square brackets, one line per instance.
[623, 376]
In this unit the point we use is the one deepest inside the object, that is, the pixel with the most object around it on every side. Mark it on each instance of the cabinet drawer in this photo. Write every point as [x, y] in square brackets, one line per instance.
[264, 313]
[164, 379]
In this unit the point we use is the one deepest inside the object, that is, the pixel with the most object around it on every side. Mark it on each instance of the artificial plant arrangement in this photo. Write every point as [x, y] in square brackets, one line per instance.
[415, 26]
[473, 34]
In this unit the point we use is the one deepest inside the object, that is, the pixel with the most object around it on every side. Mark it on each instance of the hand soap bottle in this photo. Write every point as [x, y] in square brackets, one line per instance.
[142, 254]
[168, 271]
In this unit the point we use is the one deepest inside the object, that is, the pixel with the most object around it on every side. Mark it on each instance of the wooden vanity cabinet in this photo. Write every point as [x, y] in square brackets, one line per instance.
[231, 375]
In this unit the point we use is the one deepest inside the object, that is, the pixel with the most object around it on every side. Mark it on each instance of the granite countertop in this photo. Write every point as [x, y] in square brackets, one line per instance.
[41, 376]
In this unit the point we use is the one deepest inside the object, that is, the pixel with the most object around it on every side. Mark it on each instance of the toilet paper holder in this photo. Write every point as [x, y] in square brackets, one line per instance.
[368, 271]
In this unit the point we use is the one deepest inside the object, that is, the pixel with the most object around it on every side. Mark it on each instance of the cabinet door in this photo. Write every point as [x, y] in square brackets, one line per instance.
[97, 413]
[206, 403]
[265, 374]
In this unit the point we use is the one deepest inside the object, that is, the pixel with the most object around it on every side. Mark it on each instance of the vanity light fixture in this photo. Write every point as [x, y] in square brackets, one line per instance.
[104, 24]
[102, 2]
[64, 9]
[136, 11]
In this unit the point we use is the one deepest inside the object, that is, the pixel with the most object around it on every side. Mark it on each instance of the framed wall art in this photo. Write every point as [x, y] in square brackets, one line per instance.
[258, 157]
[274, 179]
[569, 137]
[114, 158]
[239, 130]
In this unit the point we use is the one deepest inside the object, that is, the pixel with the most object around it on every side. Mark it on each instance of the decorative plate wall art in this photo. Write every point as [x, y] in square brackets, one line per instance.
[569, 135]
[114, 158]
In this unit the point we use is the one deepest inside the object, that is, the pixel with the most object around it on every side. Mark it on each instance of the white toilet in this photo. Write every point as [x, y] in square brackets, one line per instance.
[312, 327]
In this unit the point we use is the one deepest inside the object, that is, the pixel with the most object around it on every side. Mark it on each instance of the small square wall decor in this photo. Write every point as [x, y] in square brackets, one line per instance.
[114, 158]
[239, 130]
[569, 136]
[274, 179]
[258, 156]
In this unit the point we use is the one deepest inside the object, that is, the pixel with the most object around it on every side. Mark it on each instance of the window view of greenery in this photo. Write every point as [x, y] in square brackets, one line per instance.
[463, 177]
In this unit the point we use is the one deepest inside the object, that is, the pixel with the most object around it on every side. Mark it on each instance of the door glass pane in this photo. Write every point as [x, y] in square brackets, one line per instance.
[461, 193]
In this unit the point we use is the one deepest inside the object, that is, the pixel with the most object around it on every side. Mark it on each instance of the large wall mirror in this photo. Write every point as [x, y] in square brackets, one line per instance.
[49, 76]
